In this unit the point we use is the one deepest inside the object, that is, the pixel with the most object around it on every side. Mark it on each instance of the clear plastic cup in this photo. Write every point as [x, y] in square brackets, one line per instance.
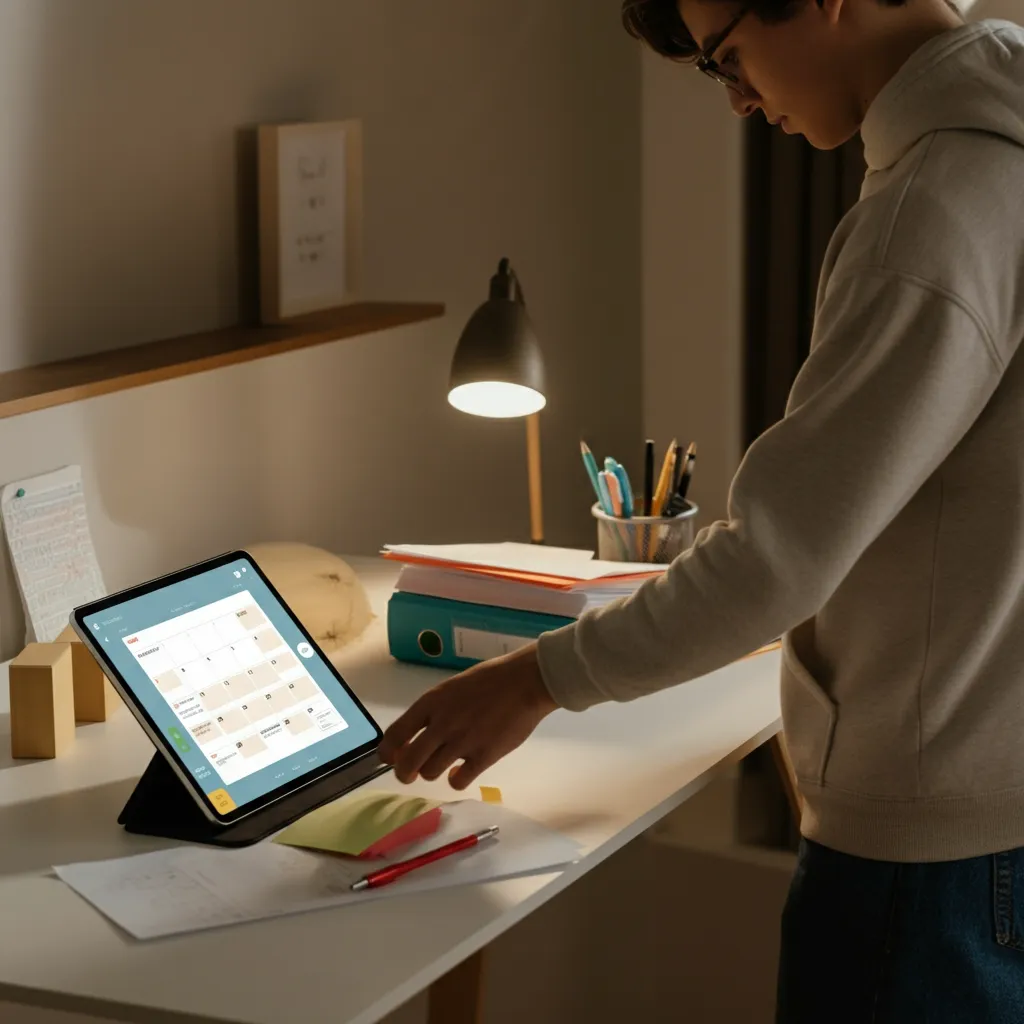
[644, 538]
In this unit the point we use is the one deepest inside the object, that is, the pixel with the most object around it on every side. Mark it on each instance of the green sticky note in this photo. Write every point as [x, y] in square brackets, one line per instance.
[352, 824]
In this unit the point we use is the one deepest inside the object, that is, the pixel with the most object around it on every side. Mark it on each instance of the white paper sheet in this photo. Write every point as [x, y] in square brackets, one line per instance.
[189, 888]
[47, 529]
[506, 555]
[566, 562]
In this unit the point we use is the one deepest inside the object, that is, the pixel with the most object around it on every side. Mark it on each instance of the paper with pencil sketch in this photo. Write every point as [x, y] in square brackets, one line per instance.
[190, 888]
[48, 534]
[567, 563]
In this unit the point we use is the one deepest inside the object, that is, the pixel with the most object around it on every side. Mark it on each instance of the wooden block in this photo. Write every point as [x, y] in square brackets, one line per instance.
[42, 701]
[95, 698]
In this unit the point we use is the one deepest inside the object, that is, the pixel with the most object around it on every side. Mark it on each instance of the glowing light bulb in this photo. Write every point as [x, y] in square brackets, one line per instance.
[496, 399]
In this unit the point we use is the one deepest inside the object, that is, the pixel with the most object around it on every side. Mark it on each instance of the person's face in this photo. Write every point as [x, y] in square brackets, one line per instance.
[796, 72]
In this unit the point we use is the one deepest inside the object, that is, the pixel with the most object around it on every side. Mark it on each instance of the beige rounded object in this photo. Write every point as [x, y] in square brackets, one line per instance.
[321, 588]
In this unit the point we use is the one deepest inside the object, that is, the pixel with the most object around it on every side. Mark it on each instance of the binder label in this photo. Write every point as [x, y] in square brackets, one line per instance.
[478, 645]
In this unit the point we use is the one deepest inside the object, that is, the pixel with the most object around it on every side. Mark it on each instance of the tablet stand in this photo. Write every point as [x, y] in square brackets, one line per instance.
[160, 805]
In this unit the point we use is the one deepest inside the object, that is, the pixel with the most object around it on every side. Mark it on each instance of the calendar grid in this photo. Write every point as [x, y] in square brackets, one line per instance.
[239, 691]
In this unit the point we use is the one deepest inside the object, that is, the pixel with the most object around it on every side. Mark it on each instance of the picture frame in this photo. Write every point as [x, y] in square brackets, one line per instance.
[310, 181]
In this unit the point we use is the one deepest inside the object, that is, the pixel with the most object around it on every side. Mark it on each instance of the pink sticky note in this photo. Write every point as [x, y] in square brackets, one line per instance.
[420, 827]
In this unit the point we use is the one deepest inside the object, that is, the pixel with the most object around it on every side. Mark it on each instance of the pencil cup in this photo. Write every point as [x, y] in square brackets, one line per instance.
[644, 538]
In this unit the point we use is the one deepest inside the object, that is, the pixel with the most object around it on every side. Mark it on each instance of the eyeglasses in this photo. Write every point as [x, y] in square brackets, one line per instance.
[710, 67]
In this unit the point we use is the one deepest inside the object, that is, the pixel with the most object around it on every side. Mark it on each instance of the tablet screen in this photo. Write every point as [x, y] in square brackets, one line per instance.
[230, 680]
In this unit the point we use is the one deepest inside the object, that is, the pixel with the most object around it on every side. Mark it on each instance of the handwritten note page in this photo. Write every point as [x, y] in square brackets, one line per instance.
[312, 172]
[47, 529]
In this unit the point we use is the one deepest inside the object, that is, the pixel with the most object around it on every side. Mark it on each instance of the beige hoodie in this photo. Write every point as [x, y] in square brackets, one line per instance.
[880, 524]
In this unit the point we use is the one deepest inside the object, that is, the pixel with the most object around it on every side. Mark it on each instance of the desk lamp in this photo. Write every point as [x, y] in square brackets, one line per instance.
[497, 371]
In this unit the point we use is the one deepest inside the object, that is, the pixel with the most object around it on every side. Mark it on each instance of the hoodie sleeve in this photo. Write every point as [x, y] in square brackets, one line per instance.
[898, 372]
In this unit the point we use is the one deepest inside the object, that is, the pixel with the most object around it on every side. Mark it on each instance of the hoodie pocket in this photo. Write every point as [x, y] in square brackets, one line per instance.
[808, 717]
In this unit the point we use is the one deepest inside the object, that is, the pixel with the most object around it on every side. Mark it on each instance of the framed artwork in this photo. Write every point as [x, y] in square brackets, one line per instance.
[310, 217]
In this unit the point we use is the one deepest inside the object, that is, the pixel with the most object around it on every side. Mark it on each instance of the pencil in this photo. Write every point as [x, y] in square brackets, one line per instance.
[665, 480]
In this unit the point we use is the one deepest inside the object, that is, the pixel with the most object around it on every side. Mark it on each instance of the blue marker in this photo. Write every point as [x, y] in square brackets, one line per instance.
[627, 491]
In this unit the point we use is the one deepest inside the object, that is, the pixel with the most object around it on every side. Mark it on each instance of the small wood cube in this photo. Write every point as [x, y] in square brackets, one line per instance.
[42, 701]
[95, 698]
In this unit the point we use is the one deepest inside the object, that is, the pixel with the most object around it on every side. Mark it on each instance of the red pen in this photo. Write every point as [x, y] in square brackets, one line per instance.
[378, 878]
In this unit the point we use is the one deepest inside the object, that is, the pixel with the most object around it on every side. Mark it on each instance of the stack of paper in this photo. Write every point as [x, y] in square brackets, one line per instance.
[564, 569]
[456, 604]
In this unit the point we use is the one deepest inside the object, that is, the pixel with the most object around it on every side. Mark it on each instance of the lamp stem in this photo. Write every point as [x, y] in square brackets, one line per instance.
[533, 469]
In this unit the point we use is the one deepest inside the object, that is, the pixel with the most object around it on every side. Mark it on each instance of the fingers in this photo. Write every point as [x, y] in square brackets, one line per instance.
[439, 762]
[465, 774]
[402, 730]
[412, 757]
[476, 717]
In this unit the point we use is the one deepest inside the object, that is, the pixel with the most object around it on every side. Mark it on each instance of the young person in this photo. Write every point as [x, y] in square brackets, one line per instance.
[879, 525]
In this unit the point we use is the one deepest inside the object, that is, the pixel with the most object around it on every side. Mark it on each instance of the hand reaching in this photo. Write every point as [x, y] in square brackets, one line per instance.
[476, 717]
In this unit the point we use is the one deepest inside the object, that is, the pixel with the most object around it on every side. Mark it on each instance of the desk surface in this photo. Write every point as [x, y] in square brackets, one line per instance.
[602, 777]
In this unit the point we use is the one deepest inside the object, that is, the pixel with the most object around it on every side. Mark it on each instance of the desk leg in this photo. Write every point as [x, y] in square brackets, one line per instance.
[457, 998]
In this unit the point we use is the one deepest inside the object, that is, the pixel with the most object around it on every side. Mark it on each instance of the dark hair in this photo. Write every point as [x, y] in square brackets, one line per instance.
[659, 23]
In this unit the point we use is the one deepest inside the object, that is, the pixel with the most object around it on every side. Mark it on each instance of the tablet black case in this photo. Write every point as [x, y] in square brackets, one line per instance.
[161, 806]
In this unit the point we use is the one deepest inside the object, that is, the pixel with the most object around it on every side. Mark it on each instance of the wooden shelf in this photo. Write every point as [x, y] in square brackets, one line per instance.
[41, 387]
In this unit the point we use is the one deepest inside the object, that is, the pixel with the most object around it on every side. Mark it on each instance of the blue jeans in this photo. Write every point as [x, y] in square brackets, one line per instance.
[874, 942]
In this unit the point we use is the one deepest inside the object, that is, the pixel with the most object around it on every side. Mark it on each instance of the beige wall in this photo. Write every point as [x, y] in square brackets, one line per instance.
[490, 130]
[692, 282]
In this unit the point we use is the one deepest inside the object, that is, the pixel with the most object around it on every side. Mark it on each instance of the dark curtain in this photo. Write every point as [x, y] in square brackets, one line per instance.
[795, 197]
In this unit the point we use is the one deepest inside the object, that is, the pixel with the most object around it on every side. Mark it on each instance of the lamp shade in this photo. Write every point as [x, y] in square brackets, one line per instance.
[497, 369]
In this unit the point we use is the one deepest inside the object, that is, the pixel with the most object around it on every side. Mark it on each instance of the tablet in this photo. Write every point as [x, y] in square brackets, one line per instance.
[228, 684]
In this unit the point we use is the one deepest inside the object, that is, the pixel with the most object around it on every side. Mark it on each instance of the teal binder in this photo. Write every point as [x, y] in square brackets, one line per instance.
[454, 634]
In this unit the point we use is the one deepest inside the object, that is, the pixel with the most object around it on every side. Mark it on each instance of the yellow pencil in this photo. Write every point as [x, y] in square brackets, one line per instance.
[664, 481]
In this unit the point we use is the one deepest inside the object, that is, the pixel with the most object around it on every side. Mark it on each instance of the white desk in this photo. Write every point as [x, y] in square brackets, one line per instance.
[602, 777]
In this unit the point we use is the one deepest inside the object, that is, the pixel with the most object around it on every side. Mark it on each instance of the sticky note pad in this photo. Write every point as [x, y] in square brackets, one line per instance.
[490, 794]
[372, 824]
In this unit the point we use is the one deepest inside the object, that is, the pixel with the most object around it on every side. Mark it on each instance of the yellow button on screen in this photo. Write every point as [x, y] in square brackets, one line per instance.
[221, 801]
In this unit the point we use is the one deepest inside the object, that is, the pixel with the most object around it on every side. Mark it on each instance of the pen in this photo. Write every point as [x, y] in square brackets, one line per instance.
[684, 484]
[678, 502]
[648, 477]
[625, 487]
[661, 495]
[591, 465]
[677, 470]
[386, 875]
